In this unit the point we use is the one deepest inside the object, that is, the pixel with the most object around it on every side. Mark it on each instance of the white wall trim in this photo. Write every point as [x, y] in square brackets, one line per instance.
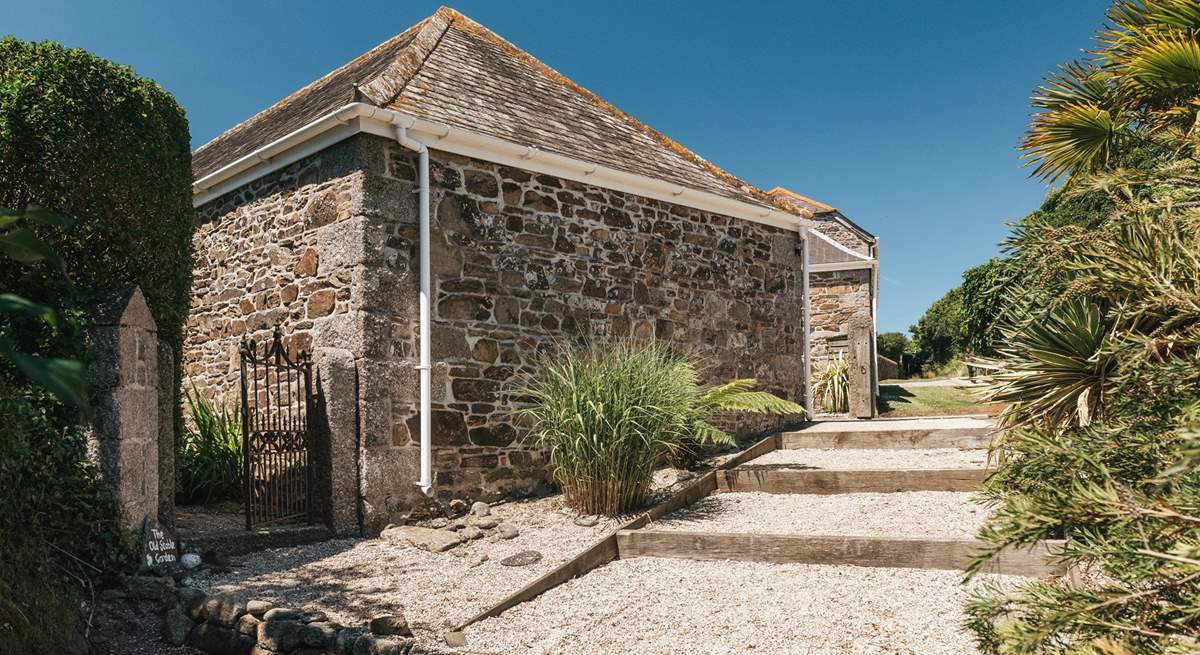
[842, 266]
[360, 117]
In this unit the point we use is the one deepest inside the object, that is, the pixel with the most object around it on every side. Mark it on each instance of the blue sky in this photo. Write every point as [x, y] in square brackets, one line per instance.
[902, 114]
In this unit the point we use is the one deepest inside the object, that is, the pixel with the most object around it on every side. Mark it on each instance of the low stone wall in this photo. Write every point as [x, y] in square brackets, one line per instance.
[222, 625]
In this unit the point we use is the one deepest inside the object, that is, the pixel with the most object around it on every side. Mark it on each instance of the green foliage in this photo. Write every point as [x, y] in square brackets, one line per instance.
[610, 412]
[57, 528]
[937, 337]
[832, 385]
[892, 345]
[96, 142]
[62, 377]
[210, 458]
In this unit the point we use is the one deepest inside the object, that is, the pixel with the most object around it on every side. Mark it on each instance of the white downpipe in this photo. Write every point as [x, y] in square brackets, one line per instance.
[806, 302]
[424, 366]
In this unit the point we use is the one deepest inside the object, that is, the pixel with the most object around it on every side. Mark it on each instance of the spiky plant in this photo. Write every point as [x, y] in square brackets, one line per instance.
[832, 385]
[609, 412]
[210, 454]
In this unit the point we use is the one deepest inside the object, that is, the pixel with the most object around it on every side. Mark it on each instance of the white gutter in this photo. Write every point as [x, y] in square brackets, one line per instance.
[807, 318]
[425, 366]
[360, 117]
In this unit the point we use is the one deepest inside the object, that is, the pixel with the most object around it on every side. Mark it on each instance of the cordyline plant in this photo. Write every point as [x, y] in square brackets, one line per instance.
[609, 413]
[832, 384]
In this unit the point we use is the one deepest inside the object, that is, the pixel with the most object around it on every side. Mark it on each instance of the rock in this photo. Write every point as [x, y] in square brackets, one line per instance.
[343, 643]
[372, 645]
[458, 506]
[212, 638]
[176, 625]
[586, 521]
[485, 523]
[281, 636]
[248, 625]
[479, 561]
[390, 624]
[523, 558]
[456, 524]
[507, 531]
[480, 509]
[192, 600]
[470, 533]
[438, 523]
[150, 587]
[228, 612]
[318, 634]
[190, 560]
[259, 607]
[435, 541]
[284, 614]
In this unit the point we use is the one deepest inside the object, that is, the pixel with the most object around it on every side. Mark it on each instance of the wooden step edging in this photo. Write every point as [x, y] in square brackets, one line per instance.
[973, 438]
[775, 480]
[946, 554]
[606, 550]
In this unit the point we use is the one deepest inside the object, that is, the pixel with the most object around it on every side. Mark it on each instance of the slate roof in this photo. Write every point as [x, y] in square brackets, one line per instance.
[450, 69]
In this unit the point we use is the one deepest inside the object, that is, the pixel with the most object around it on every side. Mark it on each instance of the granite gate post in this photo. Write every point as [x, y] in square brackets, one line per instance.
[123, 390]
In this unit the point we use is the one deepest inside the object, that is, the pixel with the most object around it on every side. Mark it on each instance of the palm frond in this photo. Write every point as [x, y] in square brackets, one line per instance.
[1071, 138]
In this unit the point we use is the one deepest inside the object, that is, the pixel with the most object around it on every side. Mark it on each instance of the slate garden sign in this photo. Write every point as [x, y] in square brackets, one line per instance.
[160, 551]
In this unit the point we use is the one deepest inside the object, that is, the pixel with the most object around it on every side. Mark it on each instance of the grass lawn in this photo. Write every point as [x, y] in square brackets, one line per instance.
[897, 399]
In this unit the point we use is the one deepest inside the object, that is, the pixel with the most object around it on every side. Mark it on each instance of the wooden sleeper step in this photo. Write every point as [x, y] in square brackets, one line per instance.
[945, 554]
[974, 438]
[775, 480]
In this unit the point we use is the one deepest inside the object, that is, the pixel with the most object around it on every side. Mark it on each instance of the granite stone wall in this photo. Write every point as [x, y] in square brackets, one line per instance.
[327, 248]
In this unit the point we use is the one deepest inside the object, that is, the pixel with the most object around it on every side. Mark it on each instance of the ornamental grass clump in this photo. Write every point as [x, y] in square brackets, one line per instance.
[609, 413]
[211, 453]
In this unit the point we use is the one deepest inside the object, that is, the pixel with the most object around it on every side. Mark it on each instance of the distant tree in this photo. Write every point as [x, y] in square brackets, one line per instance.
[892, 345]
[938, 336]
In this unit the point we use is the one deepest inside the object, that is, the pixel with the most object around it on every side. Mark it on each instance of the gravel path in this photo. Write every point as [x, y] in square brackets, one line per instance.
[653, 606]
[354, 579]
[928, 514]
[851, 458]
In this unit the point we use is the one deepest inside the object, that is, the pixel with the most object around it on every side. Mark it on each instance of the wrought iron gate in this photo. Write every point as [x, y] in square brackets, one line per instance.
[276, 406]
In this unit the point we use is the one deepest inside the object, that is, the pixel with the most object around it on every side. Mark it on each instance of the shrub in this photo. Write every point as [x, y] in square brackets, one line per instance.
[210, 454]
[95, 142]
[832, 384]
[610, 412]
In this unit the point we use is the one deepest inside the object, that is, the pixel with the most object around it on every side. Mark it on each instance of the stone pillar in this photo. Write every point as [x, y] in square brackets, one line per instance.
[166, 434]
[123, 381]
[336, 439]
[862, 387]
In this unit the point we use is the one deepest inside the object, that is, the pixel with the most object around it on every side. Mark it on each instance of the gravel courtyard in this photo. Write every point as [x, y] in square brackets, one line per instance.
[353, 580]
[653, 606]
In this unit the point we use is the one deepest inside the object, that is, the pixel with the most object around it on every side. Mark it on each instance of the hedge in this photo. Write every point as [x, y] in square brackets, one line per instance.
[88, 138]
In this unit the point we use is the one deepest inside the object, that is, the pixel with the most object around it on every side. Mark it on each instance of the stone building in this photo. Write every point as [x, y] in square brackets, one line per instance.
[552, 214]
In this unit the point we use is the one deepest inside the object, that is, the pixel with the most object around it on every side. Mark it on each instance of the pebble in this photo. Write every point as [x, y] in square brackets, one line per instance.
[480, 509]
[190, 560]
[390, 624]
[523, 558]
[507, 531]
[471, 532]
